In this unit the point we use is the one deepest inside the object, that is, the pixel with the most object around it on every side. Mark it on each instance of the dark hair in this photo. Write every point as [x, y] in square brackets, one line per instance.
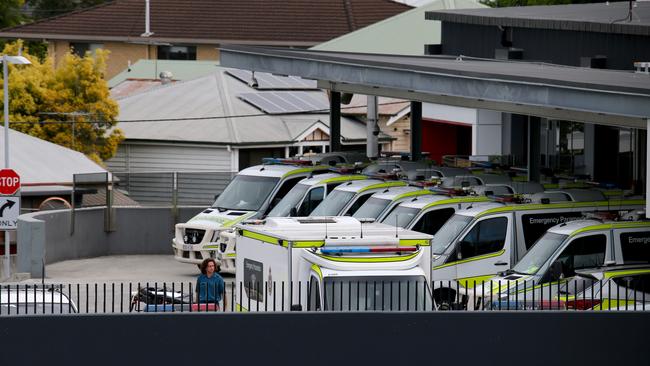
[205, 262]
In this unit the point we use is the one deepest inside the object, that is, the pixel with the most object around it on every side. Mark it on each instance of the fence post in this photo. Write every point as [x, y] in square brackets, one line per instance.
[175, 197]
[109, 217]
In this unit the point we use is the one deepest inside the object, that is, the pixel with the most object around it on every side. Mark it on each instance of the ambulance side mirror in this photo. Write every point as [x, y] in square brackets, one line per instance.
[216, 196]
[293, 212]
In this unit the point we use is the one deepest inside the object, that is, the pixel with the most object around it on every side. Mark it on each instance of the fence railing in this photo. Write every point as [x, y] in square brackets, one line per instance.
[336, 295]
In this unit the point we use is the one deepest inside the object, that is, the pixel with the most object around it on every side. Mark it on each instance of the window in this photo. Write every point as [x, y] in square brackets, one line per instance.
[333, 204]
[585, 252]
[81, 48]
[314, 295]
[535, 225]
[488, 236]
[284, 189]
[433, 220]
[372, 208]
[636, 247]
[401, 216]
[640, 283]
[245, 192]
[177, 52]
[355, 206]
[313, 199]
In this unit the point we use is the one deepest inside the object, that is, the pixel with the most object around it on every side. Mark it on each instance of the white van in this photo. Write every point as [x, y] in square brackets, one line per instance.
[383, 201]
[348, 197]
[253, 192]
[477, 243]
[563, 250]
[331, 263]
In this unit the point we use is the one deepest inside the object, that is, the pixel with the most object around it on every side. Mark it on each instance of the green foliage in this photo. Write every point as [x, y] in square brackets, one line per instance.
[50, 8]
[75, 91]
[10, 14]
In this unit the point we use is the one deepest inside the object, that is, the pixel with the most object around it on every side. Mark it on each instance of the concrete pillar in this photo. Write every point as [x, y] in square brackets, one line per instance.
[534, 125]
[486, 133]
[590, 148]
[335, 121]
[416, 130]
[372, 130]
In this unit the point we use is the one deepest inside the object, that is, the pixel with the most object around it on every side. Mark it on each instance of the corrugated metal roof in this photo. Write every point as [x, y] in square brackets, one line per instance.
[40, 162]
[601, 17]
[215, 95]
[151, 69]
[404, 34]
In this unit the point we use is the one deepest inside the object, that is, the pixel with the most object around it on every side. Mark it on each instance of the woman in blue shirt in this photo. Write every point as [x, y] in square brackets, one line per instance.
[210, 287]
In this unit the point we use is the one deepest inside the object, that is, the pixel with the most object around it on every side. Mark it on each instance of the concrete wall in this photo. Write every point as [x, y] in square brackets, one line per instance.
[396, 338]
[137, 230]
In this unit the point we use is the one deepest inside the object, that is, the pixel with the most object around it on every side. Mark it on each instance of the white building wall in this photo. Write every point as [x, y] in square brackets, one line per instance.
[141, 157]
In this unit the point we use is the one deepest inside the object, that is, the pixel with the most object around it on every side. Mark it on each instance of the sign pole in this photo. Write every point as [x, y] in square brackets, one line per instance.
[5, 74]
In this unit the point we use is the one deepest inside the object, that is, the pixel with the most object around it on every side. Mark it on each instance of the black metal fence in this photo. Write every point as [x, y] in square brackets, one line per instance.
[339, 295]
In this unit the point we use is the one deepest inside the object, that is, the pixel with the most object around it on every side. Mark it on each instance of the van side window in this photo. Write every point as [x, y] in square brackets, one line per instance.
[636, 247]
[535, 225]
[640, 283]
[314, 295]
[313, 198]
[284, 189]
[585, 252]
[360, 201]
[488, 236]
[433, 220]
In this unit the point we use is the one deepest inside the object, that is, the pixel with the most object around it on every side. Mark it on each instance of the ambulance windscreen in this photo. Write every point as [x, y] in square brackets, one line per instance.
[283, 208]
[333, 204]
[371, 208]
[448, 232]
[539, 253]
[401, 216]
[246, 192]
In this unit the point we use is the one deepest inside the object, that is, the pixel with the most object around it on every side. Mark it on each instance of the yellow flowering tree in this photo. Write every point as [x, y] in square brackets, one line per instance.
[69, 105]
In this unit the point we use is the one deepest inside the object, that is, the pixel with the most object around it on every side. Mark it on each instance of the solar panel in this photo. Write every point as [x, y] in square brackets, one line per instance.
[268, 81]
[285, 102]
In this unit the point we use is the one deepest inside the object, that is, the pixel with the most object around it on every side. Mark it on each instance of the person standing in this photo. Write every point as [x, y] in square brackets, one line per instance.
[210, 287]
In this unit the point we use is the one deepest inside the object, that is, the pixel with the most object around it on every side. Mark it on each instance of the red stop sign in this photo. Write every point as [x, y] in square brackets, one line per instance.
[9, 182]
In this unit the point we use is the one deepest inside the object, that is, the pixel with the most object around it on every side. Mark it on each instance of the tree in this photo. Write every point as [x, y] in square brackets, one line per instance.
[10, 13]
[47, 101]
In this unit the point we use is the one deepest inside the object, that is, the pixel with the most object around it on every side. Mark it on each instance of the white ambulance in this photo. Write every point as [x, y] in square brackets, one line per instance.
[554, 259]
[253, 192]
[427, 214]
[331, 263]
[477, 243]
[348, 197]
[383, 201]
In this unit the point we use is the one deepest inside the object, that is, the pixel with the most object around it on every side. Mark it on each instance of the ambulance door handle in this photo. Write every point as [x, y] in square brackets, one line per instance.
[501, 263]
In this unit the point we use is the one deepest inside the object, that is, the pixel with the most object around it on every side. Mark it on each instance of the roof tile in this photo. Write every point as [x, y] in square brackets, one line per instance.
[213, 21]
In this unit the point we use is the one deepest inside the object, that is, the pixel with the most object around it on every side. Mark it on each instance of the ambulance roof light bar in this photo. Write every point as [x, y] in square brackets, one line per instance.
[344, 250]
